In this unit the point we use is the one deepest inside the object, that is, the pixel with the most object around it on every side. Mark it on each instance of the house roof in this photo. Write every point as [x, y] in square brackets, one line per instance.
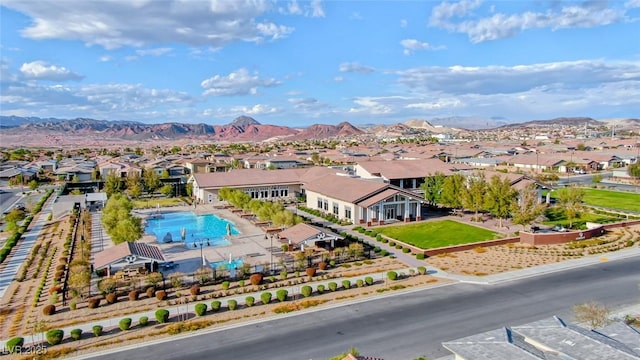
[119, 252]
[345, 188]
[253, 177]
[405, 169]
[301, 232]
[549, 339]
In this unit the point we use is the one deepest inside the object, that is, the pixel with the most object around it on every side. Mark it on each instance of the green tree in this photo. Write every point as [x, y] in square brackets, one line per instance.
[570, 201]
[453, 189]
[151, 180]
[134, 185]
[112, 184]
[473, 198]
[634, 171]
[432, 188]
[118, 221]
[499, 197]
[33, 184]
[596, 179]
[527, 208]
[166, 190]
[165, 174]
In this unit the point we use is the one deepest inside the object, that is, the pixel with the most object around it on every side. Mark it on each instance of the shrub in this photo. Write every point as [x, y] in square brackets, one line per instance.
[368, 280]
[306, 291]
[405, 250]
[200, 309]
[249, 301]
[420, 256]
[322, 265]
[55, 289]
[332, 263]
[124, 324]
[143, 321]
[111, 298]
[54, 336]
[195, 290]
[310, 271]
[422, 270]
[133, 295]
[162, 315]
[346, 284]
[161, 295]
[333, 286]
[15, 344]
[232, 304]
[255, 279]
[320, 289]
[49, 310]
[215, 305]
[150, 292]
[283, 275]
[93, 302]
[265, 297]
[392, 275]
[76, 334]
[360, 283]
[73, 305]
[282, 295]
[225, 285]
[97, 330]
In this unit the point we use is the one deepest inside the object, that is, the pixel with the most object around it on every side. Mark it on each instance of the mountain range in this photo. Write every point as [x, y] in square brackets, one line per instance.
[247, 129]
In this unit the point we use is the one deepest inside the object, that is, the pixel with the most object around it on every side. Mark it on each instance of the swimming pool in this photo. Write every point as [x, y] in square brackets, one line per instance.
[234, 264]
[206, 230]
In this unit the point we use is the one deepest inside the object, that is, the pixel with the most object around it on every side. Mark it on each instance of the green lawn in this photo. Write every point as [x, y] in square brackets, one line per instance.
[556, 216]
[435, 234]
[612, 199]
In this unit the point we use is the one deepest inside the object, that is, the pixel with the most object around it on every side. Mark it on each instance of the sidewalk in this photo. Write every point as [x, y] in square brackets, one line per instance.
[22, 249]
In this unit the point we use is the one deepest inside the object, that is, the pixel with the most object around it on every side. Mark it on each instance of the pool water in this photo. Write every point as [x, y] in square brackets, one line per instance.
[206, 230]
[227, 265]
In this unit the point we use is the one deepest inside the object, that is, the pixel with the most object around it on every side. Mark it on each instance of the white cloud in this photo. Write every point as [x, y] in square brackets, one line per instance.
[403, 23]
[500, 25]
[113, 24]
[154, 52]
[293, 8]
[338, 79]
[258, 109]
[513, 79]
[40, 70]
[104, 58]
[631, 4]
[355, 67]
[412, 45]
[307, 105]
[317, 9]
[356, 16]
[239, 82]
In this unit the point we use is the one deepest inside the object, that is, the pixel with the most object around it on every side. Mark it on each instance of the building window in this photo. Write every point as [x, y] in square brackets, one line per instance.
[347, 212]
[336, 209]
[325, 205]
[320, 203]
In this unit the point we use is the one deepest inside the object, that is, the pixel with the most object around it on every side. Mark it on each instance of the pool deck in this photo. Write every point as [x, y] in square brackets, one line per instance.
[250, 245]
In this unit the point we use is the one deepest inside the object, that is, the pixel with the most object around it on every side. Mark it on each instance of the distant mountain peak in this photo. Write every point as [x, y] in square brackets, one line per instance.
[242, 121]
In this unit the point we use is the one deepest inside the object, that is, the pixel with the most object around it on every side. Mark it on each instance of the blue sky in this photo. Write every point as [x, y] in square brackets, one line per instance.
[306, 62]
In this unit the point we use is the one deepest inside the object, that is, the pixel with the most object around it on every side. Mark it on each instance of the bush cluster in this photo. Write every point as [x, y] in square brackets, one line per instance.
[200, 309]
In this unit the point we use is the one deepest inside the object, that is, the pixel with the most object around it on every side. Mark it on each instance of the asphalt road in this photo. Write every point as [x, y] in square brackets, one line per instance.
[409, 325]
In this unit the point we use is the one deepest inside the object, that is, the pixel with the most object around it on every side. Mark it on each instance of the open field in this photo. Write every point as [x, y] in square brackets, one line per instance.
[152, 203]
[436, 234]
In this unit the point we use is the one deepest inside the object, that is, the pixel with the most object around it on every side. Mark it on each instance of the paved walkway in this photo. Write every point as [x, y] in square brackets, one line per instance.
[21, 251]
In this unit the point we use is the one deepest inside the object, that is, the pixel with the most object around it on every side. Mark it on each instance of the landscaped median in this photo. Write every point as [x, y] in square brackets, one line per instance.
[194, 312]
